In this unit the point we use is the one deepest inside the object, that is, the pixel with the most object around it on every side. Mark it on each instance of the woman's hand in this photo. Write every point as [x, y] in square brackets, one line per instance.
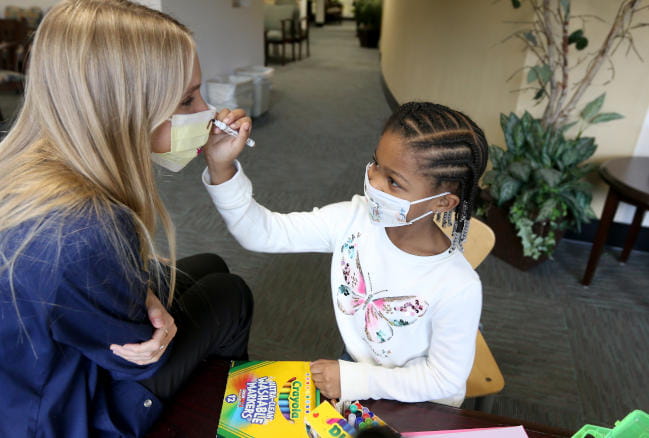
[222, 149]
[326, 376]
[150, 351]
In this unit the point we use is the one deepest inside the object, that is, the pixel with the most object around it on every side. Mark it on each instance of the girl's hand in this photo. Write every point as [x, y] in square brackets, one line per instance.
[326, 376]
[152, 350]
[222, 149]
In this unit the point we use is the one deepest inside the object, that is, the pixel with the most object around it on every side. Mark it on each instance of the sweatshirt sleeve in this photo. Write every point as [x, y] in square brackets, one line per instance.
[258, 229]
[441, 375]
[101, 300]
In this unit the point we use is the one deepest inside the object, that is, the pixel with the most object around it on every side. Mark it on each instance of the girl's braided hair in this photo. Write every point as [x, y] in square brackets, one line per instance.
[453, 152]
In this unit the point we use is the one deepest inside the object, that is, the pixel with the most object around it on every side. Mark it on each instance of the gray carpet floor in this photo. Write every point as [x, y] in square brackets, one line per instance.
[570, 355]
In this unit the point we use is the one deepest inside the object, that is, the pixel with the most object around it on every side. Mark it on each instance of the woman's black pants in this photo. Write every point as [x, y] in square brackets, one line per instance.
[213, 311]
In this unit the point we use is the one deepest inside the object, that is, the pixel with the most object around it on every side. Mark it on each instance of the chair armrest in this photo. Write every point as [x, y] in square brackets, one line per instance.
[288, 28]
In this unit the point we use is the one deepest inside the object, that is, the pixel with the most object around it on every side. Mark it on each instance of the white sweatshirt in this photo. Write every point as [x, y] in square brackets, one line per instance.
[409, 322]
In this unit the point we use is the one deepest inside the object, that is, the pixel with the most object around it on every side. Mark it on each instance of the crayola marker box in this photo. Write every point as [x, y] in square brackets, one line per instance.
[267, 399]
[325, 421]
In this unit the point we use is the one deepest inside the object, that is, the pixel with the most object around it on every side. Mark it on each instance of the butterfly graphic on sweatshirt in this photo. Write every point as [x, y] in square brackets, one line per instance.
[381, 314]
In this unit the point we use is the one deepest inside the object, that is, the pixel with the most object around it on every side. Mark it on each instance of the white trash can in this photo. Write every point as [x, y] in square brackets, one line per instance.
[263, 81]
[233, 91]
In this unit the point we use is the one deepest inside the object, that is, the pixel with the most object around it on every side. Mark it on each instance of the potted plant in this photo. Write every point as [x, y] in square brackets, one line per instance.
[367, 14]
[535, 190]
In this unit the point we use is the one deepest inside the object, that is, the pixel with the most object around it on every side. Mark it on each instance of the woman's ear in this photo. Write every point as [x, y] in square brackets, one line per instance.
[445, 203]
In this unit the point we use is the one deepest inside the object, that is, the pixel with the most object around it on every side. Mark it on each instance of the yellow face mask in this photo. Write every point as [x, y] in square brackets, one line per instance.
[189, 133]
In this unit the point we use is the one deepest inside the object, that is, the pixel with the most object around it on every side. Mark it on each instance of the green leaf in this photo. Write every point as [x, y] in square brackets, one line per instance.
[575, 36]
[592, 108]
[539, 94]
[582, 43]
[490, 177]
[581, 150]
[565, 4]
[507, 123]
[494, 191]
[544, 73]
[518, 135]
[527, 120]
[547, 210]
[497, 156]
[508, 189]
[567, 126]
[581, 171]
[516, 4]
[521, 170]
[552, 177]
[606, 117]
[529, 36]
[561, 146]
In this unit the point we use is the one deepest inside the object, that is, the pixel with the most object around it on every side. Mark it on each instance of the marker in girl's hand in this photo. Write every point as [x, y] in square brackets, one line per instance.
[225, 128]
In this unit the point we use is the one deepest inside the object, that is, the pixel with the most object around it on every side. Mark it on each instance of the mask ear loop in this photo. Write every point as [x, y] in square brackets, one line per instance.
[429, 212]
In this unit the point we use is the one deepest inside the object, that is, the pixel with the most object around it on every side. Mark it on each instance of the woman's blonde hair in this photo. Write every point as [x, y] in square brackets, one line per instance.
[103, 74]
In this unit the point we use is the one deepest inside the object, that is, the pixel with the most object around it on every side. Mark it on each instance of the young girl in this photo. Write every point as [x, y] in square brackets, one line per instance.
[407, 302]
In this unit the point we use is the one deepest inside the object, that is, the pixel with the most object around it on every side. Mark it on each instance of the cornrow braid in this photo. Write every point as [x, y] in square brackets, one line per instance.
[454, 153]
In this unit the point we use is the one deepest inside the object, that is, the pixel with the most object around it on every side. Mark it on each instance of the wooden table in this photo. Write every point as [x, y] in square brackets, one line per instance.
[195, 411]
[628, 180]
[413, 417]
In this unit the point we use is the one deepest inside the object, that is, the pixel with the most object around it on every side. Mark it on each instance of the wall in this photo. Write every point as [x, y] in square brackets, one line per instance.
[452, 53]
[43, 4]
[153, 4]
[348, 8]
[226, 37]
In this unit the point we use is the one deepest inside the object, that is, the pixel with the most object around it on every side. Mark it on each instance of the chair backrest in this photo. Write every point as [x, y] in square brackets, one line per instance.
[14, 43]
[274, 14]
[13, 31]
[479, 241]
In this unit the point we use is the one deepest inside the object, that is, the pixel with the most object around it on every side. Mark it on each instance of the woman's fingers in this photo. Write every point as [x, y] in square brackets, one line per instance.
[149, 351]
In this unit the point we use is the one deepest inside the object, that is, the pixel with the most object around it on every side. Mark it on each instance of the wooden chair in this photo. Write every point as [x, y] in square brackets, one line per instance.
[333, 11]
[485, 378]
[14, 47]
[302, 36]
[279, 29]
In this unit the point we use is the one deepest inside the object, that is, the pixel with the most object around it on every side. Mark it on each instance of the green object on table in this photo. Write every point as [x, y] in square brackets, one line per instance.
[634, 425]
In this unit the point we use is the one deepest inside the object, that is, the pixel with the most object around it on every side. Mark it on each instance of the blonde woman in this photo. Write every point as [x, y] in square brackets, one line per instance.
[88, 349]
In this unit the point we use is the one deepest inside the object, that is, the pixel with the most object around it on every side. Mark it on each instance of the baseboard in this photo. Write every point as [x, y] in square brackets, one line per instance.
[617, 233]
[389, 97]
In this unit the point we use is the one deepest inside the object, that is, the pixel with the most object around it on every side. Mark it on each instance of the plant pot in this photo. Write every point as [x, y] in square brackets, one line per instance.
[369, 37]
[508, 245]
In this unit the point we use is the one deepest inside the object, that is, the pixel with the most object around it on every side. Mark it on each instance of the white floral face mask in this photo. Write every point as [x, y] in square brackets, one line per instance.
[189, 133]
[387, 210]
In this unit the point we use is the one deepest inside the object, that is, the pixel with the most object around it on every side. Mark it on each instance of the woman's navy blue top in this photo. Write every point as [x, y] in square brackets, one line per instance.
[73, 298]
